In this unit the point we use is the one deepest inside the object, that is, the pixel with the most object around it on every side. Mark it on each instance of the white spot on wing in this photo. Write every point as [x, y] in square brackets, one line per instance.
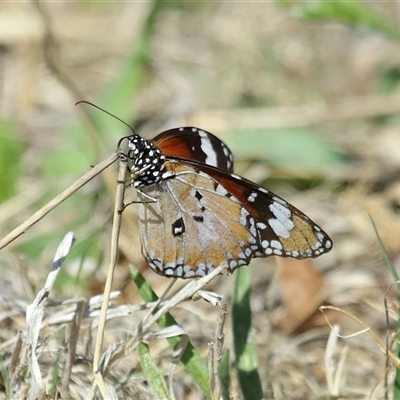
[320, 236]
[244, 214]
[221, 190]
[282, 215]
[233, 264]
[238, 177]
[279, 200]
[279, 210]
[279, 228]
[252, 240]
[252, 197]
[208, 149]
[276, 245]
[201, 270]
[188, 271]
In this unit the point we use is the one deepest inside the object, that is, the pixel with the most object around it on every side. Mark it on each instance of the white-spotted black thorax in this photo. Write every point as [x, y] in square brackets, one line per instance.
[147, 161]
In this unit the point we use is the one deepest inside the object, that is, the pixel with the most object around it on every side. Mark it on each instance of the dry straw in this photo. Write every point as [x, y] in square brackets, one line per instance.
[77, 310]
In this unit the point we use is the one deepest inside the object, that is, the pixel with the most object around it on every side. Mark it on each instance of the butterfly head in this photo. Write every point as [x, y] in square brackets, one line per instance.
[147, 161]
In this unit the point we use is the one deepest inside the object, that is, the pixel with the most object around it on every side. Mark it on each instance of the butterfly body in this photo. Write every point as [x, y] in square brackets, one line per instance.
[195, 214]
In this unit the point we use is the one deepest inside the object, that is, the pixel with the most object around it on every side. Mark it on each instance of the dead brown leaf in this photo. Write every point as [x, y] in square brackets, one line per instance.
[302, 292]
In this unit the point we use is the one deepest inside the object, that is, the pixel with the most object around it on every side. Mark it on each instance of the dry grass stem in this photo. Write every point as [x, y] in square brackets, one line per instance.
[119, 207]
[334, 371]
[34, 316]
[176, 357]
[186, 292]
[72, 341]
[216, 352]
[157, 304]
[365, 329]
[51, 205]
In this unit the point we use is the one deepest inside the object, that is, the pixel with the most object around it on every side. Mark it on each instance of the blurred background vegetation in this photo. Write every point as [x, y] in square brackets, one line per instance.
[306, 94]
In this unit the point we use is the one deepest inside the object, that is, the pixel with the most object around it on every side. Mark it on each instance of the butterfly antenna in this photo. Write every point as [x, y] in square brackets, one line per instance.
[107, 112]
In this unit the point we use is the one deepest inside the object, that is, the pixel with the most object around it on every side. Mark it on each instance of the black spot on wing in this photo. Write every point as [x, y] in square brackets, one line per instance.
[178, 227]
[198, 195]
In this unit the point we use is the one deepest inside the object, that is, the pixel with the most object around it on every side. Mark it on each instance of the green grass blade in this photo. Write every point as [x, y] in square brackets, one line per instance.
[119, 96]
[386, 255]
[351, 12]
[5, 378]
[396, 383]
[244, 341]
[290, 149]
[10, 159]
[224, 377]
[152, 373]
[191, 358]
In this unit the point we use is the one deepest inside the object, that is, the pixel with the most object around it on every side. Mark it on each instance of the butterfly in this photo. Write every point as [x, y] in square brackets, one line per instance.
[195, 214]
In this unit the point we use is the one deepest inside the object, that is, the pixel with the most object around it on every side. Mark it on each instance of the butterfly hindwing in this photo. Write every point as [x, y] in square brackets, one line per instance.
[196, 235]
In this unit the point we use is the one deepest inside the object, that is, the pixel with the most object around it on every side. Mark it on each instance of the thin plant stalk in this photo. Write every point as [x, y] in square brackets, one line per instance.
[119, 207]
[51, 205]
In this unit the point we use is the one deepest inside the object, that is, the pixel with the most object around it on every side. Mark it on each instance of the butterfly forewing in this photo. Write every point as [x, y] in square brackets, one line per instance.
[281, 228]
[195, 144]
